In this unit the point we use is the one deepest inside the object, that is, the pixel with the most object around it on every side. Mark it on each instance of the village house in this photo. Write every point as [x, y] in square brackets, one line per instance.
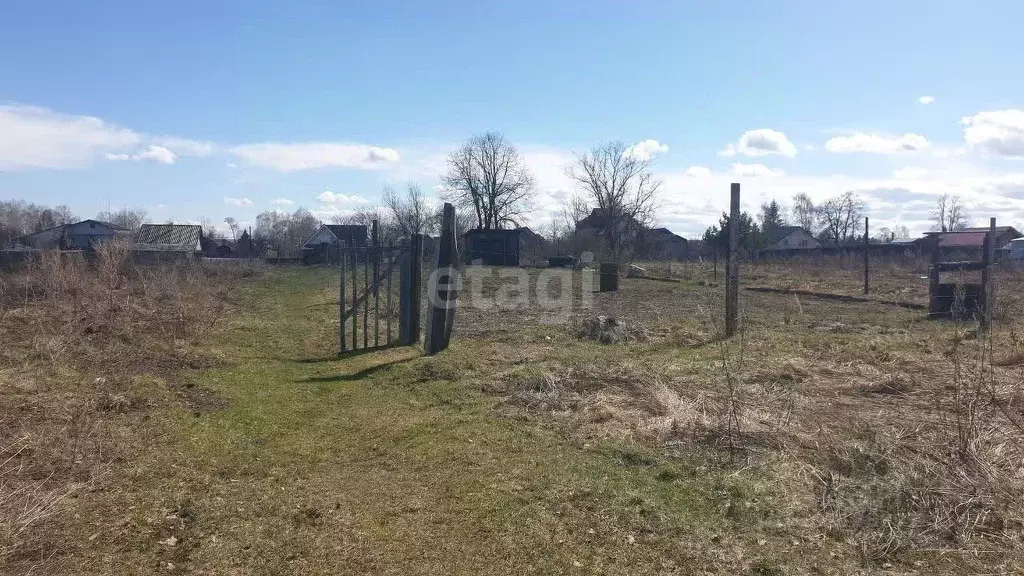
[83, 235]
[783, 238]
[323, 245]
[167, 241]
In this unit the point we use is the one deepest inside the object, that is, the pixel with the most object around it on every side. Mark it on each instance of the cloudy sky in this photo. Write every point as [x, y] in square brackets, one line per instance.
[213, 109]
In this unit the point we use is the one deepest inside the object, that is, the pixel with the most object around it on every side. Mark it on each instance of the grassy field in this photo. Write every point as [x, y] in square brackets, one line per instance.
[831, 438]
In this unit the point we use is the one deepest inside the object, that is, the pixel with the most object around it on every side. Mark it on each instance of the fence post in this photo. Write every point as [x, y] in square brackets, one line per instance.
[444, 276]
[867, 245]
[987, 292]
[933, 278]
[732, 264]
[415, 286]
[341, 298]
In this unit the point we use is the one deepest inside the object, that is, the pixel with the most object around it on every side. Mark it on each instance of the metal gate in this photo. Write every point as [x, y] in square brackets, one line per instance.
[376, 311]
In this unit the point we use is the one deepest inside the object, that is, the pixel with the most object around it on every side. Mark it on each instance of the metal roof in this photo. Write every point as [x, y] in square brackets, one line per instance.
[168, 237]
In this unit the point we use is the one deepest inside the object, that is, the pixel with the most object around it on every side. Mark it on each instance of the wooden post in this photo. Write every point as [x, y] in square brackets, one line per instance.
[341, 298]
[867, 246]
[443, 276]
[933, 278]
[732, 265]
[988, 303]
[387, 305]
[366, 301]
[415, 287]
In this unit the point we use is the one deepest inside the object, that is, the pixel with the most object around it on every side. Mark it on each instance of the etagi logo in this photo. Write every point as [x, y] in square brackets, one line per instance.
[555, 290]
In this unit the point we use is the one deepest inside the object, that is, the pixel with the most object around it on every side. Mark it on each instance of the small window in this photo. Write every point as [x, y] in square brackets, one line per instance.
[92, 224]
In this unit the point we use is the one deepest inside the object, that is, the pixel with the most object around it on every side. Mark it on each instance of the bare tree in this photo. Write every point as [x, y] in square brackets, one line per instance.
[410, 212]
[842, 216]
[126, 218]
[805, 214]
[949, 215]
[622, 187]
[574, 210]
[488, 175]
[233, 226]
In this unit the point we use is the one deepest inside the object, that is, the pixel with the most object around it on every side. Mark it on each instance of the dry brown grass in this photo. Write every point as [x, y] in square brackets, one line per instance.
[898, 436]
[89, 347]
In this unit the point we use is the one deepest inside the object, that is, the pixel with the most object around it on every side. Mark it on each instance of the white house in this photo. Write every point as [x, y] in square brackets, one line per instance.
[790, 238]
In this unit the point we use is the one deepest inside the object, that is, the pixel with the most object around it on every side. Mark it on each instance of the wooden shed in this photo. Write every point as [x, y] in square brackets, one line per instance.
[492, 247]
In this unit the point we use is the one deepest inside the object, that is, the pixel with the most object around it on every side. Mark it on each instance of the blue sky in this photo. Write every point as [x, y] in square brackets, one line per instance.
[214, 109]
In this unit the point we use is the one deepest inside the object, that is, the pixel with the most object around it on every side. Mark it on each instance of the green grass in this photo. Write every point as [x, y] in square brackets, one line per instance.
[391, 463]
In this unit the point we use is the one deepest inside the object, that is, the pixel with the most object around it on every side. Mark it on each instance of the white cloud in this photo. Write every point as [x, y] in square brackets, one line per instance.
[157, 154]
[877, 143]
[761, 142]
[282, 202]
[754, 171]
[647, 149]
[926, 100]
[240, 202]
[186, 147]
[909, 173]
[312, 155]
[999, 132]
[33, 137]
[328, 197]
[697, 172]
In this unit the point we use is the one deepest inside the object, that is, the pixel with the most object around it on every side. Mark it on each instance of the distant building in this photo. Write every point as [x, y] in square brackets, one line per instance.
[1014, 249]
[323, 245]
[786, 238]
[219, 248]
[969, 241]
[83, 235]
[170, 240]
[662, 244]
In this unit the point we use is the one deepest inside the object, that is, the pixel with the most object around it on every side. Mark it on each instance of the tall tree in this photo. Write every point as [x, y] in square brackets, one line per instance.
[750, 236]
[842, 217]
[409, 211]
[805, 214]
[623, 189]
[488, 175]
[950, 214]
[772, 217]
[233, 226]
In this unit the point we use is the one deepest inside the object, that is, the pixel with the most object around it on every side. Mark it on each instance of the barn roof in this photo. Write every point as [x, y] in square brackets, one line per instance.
[168, 237]
[781, 232]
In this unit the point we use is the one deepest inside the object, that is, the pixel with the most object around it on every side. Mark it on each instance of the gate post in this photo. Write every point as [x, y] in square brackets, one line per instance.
[442, 298]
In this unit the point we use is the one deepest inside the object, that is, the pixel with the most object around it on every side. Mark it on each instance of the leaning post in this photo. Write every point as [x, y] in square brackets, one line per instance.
[732, 265]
